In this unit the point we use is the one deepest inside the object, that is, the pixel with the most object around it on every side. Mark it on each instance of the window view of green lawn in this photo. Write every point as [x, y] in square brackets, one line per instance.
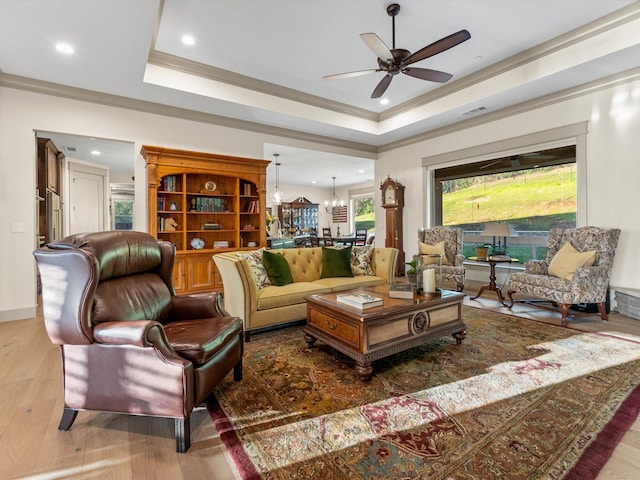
[531, 201]
[364, 208]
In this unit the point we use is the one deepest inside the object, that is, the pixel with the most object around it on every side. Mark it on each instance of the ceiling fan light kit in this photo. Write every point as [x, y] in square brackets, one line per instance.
[397, 60]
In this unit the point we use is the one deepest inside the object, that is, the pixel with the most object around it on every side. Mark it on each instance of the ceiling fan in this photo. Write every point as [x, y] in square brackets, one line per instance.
[398, 60]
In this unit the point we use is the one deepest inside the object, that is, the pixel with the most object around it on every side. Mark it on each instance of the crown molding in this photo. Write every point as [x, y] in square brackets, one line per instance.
[600, 26]
[190, 67]
[84, 95]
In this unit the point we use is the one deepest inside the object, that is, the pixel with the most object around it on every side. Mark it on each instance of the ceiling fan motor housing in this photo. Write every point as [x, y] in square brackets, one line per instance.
[399, 56]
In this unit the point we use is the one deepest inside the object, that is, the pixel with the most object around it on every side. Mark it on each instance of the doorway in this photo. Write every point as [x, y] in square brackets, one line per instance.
[91, 168]
[87, 204]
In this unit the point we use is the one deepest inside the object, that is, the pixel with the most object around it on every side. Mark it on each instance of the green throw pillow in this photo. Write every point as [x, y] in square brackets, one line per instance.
[336, 262]
[277, 268]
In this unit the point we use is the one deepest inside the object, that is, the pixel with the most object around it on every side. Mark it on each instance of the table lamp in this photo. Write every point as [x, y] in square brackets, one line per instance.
[500, 231]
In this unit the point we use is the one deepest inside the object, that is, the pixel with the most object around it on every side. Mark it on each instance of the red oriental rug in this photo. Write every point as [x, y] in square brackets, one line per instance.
[517, 400]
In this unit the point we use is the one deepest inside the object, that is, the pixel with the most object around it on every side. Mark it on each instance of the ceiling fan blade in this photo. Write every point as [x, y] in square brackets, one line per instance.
[382, 86]
[428, 74]
[440, 46]
[349, 74]
[377, 46]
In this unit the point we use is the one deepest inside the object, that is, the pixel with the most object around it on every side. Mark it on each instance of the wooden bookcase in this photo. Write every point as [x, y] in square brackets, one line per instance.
[218, 199]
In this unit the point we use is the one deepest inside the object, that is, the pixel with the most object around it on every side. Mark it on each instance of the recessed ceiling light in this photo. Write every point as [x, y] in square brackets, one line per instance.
[384, 101]
[313, 181]
[95, 152]
[188, 40]
[361, 171]
[65, 48]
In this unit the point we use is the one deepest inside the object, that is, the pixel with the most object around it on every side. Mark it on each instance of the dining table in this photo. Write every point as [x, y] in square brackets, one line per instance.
[346, 240]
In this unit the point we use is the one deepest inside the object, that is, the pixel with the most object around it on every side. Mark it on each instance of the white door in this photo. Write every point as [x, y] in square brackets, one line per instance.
[86, 199]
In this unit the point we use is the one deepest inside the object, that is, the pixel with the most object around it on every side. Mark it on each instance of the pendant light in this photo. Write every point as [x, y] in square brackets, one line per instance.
[334, 201]
[277, 195]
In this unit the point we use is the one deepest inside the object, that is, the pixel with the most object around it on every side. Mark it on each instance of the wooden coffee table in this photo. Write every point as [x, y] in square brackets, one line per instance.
[375, 333]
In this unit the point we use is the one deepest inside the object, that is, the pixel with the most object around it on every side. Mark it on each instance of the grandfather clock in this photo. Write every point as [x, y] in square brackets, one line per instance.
[393, 203]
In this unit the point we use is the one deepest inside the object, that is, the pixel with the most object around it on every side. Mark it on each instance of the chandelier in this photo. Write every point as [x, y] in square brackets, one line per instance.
[334, 201]
[277, 195]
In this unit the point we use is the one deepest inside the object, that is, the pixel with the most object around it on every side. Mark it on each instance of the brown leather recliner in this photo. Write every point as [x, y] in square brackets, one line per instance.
[129, 344]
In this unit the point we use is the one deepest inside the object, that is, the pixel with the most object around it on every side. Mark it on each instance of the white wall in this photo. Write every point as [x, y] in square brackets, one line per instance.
[24, 112]
[613, 143]
[612, 177]
[318, 195]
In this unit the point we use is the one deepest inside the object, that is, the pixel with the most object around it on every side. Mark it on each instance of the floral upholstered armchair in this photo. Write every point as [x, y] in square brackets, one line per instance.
[452, 261]
[576, 270]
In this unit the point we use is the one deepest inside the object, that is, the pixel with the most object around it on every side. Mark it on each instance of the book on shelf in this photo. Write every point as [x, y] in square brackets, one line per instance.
[211, 226]
[169, 183]
[401, 290]
[254, 207]
[360, 300]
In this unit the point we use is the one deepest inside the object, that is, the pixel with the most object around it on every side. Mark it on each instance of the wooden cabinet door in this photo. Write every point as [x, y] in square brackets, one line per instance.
[178, 275]
[199, 272]
[53, 170]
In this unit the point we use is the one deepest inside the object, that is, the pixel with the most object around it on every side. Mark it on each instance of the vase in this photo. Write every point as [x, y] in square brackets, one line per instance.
[481, 252]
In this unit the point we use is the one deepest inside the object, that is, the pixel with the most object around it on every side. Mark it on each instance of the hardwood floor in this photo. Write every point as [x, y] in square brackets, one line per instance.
[124, 446]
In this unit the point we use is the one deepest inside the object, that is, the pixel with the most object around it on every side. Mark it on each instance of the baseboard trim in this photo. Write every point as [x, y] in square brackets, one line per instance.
[17, 314]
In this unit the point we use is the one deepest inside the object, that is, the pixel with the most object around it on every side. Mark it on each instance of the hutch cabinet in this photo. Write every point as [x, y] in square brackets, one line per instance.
[48, 191]
[204, 203]
[299, 215]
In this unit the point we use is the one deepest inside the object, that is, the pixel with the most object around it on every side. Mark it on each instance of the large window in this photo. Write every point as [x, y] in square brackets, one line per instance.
[531, 192]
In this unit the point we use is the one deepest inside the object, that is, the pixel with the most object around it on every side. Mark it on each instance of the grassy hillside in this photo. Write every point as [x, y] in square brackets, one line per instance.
[532, 200]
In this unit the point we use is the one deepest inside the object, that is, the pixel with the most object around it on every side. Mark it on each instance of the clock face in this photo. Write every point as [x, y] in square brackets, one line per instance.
[389, 194]
[197, 243]
[210, 186]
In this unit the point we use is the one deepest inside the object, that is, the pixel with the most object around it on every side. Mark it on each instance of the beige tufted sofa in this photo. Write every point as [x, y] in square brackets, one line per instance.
[276, 305]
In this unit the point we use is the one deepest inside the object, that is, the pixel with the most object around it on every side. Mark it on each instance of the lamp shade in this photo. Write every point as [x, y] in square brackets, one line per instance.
[498, 230]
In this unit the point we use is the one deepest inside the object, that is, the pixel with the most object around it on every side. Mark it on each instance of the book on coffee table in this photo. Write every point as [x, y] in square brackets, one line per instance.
[360, 300]
[401, 290]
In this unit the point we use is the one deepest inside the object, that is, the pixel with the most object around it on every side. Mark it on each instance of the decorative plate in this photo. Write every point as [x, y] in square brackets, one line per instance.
[210, 186]
[197, 243]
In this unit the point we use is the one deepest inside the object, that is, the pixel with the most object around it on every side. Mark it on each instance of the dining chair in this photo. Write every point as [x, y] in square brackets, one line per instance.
[312, 239]
[361, 237]
[327, 238]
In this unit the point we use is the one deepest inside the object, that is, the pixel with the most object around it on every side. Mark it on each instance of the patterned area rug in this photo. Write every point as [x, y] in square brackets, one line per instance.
[517, 400]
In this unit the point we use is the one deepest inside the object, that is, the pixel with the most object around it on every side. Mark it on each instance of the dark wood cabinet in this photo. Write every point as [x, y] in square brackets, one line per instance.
[49, 166]
[298, 216]
[48, 180]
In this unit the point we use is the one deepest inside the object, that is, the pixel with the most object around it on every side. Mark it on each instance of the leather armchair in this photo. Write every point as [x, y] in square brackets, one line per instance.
[452, 237]
[588, 285]
[128, 343]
